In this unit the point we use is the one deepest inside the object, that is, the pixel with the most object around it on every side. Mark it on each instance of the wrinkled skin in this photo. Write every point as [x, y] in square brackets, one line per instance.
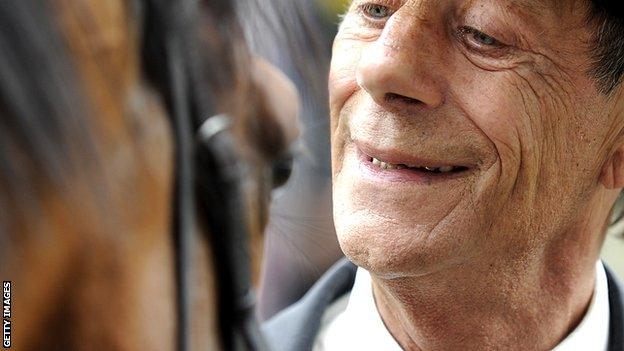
[415, 82]
[98, 273]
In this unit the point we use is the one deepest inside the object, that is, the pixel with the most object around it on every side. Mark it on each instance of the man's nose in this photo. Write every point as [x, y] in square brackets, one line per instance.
[401, 68]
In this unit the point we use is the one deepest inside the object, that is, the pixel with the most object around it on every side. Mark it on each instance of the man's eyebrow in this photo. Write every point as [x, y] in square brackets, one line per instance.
[533, 13]
[538, 8]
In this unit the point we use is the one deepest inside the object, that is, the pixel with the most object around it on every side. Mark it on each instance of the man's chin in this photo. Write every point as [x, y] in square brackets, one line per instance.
[407, 255]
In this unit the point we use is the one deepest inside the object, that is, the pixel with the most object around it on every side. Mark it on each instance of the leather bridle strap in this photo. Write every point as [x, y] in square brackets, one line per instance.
[209, 178]
[164, 65]
[185, 211]
[222, 199]
[185, 216]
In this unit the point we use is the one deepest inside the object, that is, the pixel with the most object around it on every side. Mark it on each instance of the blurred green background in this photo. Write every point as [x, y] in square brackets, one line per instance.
[331, 8]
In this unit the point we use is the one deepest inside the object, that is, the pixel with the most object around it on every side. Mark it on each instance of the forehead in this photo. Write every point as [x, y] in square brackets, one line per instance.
[553, 12]
[544, 16]
[538, 7]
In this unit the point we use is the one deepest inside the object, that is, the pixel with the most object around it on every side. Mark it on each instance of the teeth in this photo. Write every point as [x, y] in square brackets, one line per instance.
[386, 165]
[446, 169]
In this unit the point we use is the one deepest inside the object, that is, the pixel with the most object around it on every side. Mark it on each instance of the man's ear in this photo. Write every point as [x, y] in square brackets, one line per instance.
[612, 175]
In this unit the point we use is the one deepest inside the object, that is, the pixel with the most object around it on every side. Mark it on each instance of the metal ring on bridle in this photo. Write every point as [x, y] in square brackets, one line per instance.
[213, 126]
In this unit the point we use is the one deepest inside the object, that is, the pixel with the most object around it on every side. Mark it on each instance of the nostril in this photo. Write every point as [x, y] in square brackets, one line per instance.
[392, 97]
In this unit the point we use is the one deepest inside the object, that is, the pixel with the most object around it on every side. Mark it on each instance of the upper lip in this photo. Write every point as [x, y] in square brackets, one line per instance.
[397, 157]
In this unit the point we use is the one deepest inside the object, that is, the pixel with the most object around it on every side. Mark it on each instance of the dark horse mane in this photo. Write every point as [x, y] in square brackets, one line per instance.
[47, 144]
[43, 135]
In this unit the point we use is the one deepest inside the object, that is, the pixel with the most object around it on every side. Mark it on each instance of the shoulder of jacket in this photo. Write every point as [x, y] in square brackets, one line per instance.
[296, 327]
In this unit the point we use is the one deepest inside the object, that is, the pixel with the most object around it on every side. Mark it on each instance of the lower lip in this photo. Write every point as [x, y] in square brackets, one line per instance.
[404, 175]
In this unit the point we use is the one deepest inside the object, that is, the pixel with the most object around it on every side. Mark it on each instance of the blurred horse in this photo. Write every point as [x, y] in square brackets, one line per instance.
[300, 239]
[90, 167]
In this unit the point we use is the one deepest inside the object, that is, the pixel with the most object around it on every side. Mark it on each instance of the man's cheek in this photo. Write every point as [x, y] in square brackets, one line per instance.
[342, 85]
[342, 78]
[501, 113]
[549, 138]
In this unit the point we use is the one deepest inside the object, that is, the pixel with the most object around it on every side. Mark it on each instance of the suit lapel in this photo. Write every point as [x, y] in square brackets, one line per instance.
[296, 328]
[616, 307]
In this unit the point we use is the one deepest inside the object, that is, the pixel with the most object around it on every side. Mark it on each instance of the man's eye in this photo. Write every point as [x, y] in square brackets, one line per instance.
[375, 11]
[478, 41]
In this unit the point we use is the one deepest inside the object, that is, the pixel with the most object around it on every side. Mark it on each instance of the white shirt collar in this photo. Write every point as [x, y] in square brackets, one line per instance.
[593, 331]
[360, 327]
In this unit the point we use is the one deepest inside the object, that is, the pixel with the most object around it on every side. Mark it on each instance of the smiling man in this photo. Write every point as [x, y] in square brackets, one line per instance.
[478, 151]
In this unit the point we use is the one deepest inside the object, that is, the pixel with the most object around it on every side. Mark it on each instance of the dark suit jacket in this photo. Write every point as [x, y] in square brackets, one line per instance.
[295, 328]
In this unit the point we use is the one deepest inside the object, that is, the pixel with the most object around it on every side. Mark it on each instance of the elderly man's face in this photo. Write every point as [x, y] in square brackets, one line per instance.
[463, 130]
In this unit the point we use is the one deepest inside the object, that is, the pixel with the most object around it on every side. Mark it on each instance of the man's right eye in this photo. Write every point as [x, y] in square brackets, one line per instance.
[482, 43]
[376, 12]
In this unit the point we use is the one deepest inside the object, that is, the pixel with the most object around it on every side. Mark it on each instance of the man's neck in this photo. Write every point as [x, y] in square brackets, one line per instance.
[529, 305]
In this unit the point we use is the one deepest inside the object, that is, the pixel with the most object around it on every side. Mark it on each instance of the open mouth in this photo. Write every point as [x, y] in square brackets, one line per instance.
[422, 170]
[405, 167]
[433, 170]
